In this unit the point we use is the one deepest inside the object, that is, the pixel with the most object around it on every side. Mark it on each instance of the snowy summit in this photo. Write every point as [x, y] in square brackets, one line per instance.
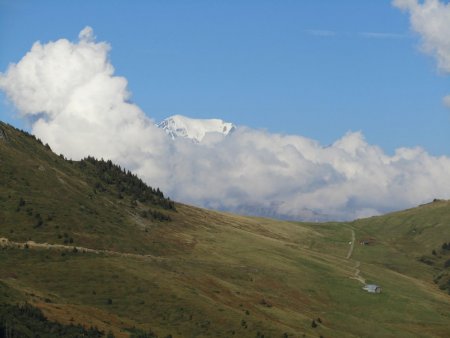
[195, 129]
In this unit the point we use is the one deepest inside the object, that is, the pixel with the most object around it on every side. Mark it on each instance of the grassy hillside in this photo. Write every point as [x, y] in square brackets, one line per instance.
[415, 242]
[47, 198]
[130, 262]
[415, 231]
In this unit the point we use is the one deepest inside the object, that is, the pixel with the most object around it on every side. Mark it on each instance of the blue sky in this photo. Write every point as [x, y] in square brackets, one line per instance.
[310, 67]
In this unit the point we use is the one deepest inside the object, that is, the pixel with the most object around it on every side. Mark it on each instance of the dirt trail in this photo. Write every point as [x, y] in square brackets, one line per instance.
[357, 273]
[352, 245]
[6, 243]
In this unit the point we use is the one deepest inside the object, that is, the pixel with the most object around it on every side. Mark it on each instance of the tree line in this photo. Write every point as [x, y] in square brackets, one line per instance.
[125, 182]
[25, 320]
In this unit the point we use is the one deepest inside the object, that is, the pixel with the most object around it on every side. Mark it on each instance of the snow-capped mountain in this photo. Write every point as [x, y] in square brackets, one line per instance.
[195, 129]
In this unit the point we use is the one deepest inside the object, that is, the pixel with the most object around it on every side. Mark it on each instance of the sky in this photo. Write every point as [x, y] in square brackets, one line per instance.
[314, 68]
[342, 105]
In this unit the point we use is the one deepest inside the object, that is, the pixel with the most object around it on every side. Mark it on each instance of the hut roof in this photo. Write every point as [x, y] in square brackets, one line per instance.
[371, 287]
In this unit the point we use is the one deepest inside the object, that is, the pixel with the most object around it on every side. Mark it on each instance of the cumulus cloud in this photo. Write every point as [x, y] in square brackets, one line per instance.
[77, 105]
[431, 19]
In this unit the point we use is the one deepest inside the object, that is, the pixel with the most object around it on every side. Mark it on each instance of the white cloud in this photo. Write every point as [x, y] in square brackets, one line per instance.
[76, 102]
[384, 35]
[431, 19]
[446, 100]
[321, 32]
[87, 34]
[80, 108]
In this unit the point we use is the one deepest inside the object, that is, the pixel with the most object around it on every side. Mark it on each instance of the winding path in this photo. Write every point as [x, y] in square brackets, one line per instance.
[6, 243]
[352, 245]
[357, 273]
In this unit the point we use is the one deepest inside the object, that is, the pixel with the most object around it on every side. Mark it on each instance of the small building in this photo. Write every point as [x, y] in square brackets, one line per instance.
[372, 288]
[367, 241]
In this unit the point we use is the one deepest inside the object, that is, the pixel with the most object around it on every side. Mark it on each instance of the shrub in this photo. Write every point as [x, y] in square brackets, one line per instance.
[426, 260]
[39, 221]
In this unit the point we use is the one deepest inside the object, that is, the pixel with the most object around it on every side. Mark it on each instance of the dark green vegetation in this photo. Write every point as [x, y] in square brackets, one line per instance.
[156, 268]
[124, 183]
[26, 320]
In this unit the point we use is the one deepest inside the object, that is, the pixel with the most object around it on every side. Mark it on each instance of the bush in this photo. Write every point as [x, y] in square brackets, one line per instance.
[21, 202]
[155, 215]
[426, 260]
[39, 221]
[138, 333]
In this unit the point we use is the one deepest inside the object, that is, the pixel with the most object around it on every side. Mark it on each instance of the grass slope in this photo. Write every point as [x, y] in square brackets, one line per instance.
[205, 273]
